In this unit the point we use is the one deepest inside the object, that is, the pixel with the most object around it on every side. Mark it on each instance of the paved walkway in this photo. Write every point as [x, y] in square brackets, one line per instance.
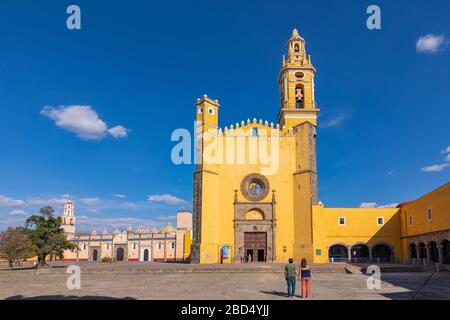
[52, 285]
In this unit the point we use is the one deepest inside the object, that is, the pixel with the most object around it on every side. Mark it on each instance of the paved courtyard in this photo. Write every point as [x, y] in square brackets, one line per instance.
[107, 284]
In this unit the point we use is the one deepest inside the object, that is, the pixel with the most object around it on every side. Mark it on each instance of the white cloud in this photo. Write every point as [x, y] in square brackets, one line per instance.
[87, 223]
[390, 205]
[10, 202]
[118, 195]
[35, 202]
[166, 198]
[83, 121]
[56, 201]
[334, 122]
[18, 213]
[375, 205]
[447, 158]
[6, 201]
[90, 201]
[368, 205]
[118, 132]
[430, 43]
[165, 218]
[446, 150]
[130, 205]
[435, 167]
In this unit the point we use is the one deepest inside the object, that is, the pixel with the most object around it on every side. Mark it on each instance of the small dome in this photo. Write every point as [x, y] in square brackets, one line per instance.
[167, 228]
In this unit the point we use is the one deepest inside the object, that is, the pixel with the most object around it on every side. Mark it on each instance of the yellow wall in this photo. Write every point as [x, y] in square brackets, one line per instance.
[439, 201]
[361, 227]
[218, 199]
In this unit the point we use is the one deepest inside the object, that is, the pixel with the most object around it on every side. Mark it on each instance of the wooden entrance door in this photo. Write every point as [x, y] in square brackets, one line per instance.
[255, 244]
[120, 254]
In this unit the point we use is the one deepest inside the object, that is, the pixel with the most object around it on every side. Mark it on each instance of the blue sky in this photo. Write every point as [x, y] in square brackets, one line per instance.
[135, 69]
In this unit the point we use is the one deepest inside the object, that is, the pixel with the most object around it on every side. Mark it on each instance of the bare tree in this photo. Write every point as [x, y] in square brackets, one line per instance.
[15, 246]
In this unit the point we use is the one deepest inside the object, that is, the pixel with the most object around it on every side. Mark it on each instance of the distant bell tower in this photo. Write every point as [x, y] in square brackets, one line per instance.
[68, 218]
[296, 82]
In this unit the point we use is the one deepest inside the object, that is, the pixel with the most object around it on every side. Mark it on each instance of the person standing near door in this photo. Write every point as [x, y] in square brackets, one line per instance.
[291, 274]
[305, 274]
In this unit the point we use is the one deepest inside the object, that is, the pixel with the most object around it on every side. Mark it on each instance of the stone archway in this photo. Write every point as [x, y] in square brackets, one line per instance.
[146, 254]
[254, 231]
[338, 253]
[382, 252]
[360, 252]
[434, 252]
[412, 251]
[445, 251]
[422, 251]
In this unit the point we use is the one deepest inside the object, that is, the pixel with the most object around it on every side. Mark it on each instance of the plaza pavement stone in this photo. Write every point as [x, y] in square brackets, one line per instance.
[130, 281]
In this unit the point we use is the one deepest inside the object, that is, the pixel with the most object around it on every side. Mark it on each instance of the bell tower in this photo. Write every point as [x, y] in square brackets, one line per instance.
[68, 218]
[296, 82]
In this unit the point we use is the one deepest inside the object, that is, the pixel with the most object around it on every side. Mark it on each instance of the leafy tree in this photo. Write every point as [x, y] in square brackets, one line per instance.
[14, 246]
[45, 232]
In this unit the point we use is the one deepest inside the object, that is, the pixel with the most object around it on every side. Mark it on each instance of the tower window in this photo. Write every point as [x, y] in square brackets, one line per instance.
[210, 110]
[410, 220]
[380, 221]
[429, 214]
[341, 221]
[254, 132]
[299, 95]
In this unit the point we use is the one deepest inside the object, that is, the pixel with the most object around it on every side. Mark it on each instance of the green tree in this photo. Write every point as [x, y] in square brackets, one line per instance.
[47, 236]
[15, 246]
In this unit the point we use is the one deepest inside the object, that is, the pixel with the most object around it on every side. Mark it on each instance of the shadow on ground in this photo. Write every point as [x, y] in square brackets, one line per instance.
[276, 293]
[63, 297]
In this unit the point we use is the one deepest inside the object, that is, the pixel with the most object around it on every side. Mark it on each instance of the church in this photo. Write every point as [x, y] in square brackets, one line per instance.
[166, 244]
[256, 190]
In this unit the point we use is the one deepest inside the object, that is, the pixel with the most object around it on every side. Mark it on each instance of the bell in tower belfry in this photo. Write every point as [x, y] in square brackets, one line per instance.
[296, 82]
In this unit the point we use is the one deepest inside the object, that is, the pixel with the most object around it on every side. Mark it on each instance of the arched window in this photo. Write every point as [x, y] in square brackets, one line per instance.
[254, 132]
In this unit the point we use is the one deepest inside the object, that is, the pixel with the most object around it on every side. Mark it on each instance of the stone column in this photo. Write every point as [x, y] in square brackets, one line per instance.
[440, 254]
[370, 253]
[349, 253]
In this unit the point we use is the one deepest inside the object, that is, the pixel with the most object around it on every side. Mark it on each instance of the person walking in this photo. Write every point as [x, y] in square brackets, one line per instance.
[305, 274]
[291, 274]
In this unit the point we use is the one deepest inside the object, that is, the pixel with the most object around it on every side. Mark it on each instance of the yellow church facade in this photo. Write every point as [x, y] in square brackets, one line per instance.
[256, 186]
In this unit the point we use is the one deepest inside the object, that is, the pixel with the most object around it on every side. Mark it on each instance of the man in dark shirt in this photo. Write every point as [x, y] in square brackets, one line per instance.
[291, 274]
